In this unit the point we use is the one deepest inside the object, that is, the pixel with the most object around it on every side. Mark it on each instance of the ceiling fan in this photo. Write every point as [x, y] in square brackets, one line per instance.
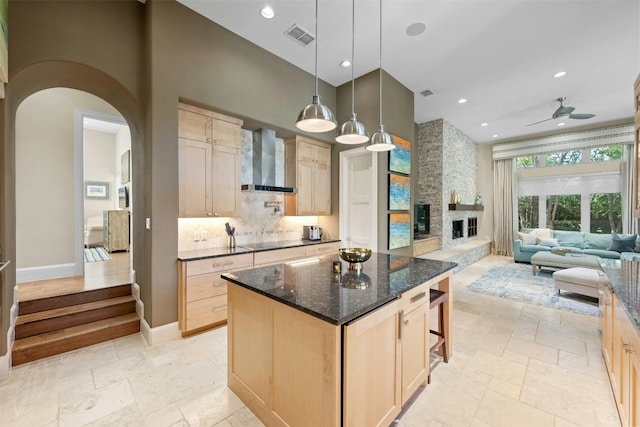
[563, 111]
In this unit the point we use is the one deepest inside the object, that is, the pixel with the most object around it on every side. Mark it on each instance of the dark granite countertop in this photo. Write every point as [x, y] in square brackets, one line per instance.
[312, 287]
[624, 279]
[248, 248]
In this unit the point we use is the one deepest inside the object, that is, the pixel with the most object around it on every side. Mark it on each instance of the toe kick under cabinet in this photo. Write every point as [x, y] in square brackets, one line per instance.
[202, 293]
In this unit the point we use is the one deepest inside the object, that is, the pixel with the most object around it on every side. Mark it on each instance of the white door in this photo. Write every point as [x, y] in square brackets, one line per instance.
[358, 199]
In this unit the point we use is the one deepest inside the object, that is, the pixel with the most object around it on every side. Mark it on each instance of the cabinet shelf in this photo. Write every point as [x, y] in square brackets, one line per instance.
[461, 207]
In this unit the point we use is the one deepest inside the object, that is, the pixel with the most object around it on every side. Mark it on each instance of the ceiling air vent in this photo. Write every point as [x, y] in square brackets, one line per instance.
[426, 92]
[300, 35]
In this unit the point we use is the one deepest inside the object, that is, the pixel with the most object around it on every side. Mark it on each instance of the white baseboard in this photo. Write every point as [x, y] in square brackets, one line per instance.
[161, 334]
[5, 359]
[44, 272]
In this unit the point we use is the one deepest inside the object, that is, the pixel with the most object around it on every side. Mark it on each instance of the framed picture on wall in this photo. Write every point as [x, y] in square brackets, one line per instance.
[125, 161]
[399, 230]
[400, 157]
[96, 190]
[399, 192]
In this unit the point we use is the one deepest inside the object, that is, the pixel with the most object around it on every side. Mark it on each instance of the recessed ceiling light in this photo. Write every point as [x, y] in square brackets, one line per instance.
[416, 29]
[267, 12]
[561, 124]
[345, 64]
[484, 124]
[462, 100]
[494, 136]
[559, 74]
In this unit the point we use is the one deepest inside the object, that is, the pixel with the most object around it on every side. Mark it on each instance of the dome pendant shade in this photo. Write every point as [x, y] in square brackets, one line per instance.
[352, 131]
[316, 117]
[381, 141]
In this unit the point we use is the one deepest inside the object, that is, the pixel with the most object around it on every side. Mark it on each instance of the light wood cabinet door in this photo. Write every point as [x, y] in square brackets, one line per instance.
[308, 168]
[620, 363]
[605, 302]
[195, 172]
[372, 369]
[226, 133]
[194, 125]
[633, 399]
[414, 335]
[226, 181]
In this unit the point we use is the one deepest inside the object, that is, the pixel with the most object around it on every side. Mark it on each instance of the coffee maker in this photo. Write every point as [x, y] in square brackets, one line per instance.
[311, 232]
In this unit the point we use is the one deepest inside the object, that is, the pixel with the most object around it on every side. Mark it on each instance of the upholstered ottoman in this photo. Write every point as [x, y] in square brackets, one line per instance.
[540, 260]
[584, 281]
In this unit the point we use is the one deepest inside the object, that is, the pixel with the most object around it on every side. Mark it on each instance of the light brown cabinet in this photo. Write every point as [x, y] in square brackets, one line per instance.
[209, 163]
[621, 347]
[308, 168]
[116, 230]
[202, 293]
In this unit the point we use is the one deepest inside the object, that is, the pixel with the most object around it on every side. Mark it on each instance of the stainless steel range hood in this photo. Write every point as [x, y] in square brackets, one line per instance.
[263, 154]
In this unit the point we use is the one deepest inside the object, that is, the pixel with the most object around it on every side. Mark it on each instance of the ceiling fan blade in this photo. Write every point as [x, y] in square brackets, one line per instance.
[581, 116]
[545, 120]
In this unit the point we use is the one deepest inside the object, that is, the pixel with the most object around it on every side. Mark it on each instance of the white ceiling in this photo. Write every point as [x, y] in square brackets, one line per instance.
[501, 55]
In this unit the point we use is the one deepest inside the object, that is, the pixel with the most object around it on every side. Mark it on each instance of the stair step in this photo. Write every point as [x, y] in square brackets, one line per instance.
[60, 341]
[60, 318]
[42, 304]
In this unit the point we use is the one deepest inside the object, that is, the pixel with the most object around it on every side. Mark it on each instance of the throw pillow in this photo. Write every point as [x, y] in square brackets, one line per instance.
[636, 248]
[622, 243]
[552, 243]
[542, 233]
[527, 238]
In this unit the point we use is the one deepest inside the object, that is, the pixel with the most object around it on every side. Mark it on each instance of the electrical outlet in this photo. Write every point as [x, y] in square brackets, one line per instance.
[203, 236]
[196, 236]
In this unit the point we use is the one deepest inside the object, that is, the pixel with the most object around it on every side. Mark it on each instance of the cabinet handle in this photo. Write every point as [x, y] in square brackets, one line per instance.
[222, 264]
[217, 284]
[209, 214]
[418, 297]
[215, 141]
[401, 314]
[600, 292]
[208, 139]
[627, 348]
[221, 308]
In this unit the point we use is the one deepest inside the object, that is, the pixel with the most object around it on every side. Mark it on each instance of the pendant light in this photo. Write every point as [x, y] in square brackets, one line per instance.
[352, 131]
[316, 117]
[381, 140]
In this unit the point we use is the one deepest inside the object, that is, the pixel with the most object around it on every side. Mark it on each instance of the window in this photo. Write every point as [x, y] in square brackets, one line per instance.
[563, 212]
[527, 162]
[528, 208]
[606, 213]
[564, 158]
[604, 154]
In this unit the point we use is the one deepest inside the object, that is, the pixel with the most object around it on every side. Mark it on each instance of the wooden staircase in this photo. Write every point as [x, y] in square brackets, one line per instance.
[57, 324]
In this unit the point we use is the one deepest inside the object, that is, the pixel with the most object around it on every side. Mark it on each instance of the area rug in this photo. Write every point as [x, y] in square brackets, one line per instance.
[96, 254]
[516, 282]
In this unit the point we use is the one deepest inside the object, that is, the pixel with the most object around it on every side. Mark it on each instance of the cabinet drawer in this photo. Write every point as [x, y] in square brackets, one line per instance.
[205, 286]
[322, 248]
[211, 265]
[206, 311]
[415, 297]
[277, 256]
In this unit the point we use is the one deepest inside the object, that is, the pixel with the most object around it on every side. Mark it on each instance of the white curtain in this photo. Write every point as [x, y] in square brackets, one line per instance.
[627, 190]
[504, 205]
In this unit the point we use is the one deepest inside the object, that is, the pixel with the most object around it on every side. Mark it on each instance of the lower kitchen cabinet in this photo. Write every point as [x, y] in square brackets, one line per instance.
[202, 293]
[622, 359]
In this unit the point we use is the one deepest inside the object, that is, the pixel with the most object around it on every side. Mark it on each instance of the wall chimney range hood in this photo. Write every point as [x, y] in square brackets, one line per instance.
[263, 154]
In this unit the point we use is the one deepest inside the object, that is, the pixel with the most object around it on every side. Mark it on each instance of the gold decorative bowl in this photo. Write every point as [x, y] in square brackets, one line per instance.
[355, 256]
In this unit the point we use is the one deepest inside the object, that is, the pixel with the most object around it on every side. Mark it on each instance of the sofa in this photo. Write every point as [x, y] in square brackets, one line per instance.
[615, 246]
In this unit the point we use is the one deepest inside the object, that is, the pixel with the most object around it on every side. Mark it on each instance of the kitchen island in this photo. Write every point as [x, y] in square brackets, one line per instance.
[307, 346]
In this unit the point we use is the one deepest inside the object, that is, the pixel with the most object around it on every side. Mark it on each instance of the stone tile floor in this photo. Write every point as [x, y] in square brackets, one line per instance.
[513, 365]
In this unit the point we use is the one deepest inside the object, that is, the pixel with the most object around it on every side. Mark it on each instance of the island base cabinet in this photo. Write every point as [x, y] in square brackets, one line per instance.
[283, 364]
[372, 372]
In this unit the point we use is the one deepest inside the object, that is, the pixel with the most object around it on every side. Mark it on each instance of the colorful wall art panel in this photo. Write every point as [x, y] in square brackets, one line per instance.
[399, 230]
[399, 192]
[400, 157]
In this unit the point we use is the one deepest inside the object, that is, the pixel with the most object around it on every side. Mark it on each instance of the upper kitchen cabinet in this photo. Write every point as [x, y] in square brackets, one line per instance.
[308, 168]
[209, 163]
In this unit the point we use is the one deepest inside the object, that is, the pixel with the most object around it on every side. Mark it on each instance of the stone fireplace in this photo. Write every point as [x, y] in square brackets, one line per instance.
[447, 162]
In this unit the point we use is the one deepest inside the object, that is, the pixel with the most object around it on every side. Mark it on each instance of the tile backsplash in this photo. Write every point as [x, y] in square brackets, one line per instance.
[258, 223]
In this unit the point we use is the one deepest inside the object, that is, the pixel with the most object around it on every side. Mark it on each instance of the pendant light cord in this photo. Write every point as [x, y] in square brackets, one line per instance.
[353, 37]
[380, 62]
[316, 65]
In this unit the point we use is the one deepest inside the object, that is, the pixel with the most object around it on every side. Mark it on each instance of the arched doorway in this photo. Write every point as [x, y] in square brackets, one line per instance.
[67, 143]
